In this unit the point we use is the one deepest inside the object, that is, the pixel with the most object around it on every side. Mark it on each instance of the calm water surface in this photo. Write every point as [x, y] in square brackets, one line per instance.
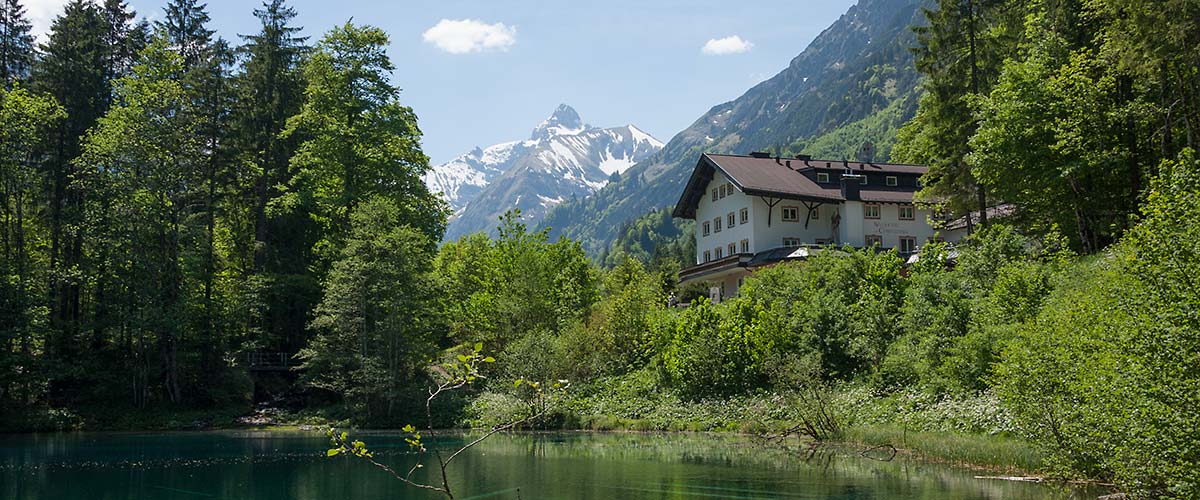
[278, 465]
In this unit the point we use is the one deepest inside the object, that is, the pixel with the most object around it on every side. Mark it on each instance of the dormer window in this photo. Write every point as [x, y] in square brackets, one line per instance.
[892, 181]
[823, 177]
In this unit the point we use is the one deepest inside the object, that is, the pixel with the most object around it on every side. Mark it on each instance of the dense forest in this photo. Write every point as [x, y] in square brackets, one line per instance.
[173, 202]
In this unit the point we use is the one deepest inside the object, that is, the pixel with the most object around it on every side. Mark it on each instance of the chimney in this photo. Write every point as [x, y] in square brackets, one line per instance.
[760, 154]
[851, 186]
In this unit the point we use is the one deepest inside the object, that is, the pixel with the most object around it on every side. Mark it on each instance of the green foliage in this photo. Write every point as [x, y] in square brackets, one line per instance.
[381, 315]
[1102, 378]
[960, 51]
[360, 142]
[626, 318]
[658, 240]
[24, 318]
[501, 290]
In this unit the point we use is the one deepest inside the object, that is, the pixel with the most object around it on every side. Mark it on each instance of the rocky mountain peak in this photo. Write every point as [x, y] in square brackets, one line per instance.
[564, 121]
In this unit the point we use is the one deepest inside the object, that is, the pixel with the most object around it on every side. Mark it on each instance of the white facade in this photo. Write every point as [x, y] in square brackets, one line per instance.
[855, 225]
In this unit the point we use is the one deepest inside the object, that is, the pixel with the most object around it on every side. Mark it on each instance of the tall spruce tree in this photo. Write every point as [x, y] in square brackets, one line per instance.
[960, 50]
[212, 100]
[16, 43]
[275, 252]
[186, 26]
[72, 71]
[123, 37]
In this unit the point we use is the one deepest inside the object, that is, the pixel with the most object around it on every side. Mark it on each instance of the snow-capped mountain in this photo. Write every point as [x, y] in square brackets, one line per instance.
[563, 158]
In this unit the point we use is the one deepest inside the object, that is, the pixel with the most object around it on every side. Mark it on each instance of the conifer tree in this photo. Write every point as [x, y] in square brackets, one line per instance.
[186, 27]
[960, 50]
[71, 69]
[275, 246]
[123, 37]
[16, 43]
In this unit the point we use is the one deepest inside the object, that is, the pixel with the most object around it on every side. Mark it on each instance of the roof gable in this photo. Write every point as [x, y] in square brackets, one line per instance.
[792, 178]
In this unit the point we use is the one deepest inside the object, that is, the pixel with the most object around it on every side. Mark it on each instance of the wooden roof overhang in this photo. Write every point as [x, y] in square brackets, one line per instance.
[704, 173]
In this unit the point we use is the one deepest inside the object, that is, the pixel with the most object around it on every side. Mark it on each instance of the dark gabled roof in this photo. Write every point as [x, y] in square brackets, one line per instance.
[785, 178]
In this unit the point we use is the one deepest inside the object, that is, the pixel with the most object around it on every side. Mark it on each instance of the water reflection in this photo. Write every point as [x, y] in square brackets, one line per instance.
[278, 465]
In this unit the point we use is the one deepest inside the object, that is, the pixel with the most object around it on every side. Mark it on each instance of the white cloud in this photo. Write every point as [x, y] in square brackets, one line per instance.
[468, 35]
[728, 45]
[41, 13]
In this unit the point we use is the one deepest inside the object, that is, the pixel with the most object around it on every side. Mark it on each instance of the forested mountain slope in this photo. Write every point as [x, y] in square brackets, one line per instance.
[855, 82]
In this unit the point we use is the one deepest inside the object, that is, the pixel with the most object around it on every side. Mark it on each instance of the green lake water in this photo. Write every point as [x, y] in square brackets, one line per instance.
[292, 465]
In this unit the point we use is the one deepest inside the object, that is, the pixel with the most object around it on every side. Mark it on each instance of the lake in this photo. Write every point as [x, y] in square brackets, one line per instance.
[293, 465]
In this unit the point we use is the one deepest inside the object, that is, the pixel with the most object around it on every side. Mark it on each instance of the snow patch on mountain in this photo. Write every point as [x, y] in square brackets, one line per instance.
[563, 157]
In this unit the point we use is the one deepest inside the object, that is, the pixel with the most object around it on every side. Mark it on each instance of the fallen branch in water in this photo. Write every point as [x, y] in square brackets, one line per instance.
[865, 453]
[1026, 479]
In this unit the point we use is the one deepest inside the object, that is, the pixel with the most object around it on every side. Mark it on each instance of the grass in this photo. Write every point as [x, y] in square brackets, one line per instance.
[993, 452]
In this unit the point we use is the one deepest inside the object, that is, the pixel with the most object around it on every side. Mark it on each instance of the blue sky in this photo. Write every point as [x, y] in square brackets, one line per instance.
[656, 64]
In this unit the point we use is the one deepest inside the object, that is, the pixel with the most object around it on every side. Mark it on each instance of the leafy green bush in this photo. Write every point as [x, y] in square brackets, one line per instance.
[1105, 377]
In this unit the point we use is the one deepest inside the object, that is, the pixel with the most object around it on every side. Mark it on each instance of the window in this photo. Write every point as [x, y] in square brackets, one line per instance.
[717, 253]
[714, 194]
[791, 242]
[874, 240]
[745, 246]
[791, 214]
[717, 225]
[892, 181]
[707, 228]
[707, 256]
[814, 214]
[824, 241]
[908, 245]
[732, 248]
[907, 212]
[863, 180]
[731, 220]
[870, 211]
[722, 190]
[823, 177]
[745, 215]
